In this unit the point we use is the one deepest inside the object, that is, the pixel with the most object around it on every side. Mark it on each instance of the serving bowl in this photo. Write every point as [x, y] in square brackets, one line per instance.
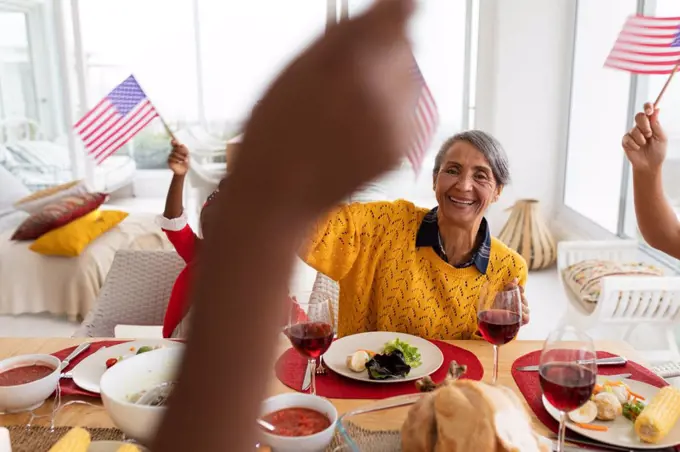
[28, 396]
[312, 443]
[131, 376]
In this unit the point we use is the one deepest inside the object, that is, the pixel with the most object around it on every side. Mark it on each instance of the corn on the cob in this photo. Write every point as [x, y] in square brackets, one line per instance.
[76, 440]
[659, 417]
[128, 448]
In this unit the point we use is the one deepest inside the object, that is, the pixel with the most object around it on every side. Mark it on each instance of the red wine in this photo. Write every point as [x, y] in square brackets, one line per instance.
[310, 339]
[498, 326]
[567, 386]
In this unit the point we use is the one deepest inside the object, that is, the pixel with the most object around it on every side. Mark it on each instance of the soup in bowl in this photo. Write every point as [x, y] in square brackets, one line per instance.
[124, 384]
[26, 381]
[302, 422]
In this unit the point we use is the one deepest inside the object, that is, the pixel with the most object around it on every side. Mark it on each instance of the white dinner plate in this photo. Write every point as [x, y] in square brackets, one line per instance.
[90, 370]
[336, 356]
[111, 446]
[620, 431]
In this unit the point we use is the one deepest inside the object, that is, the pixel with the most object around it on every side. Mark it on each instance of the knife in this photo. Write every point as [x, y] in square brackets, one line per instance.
[307, 382]
[571, 444]
[79, 349]
[613, 361]
[591, 448]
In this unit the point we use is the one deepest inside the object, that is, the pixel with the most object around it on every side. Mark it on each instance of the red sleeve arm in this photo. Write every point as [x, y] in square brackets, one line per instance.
[184, 241]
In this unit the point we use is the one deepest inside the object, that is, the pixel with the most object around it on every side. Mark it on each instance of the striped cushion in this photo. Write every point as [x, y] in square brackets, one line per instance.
[58, 214]
[585, 278]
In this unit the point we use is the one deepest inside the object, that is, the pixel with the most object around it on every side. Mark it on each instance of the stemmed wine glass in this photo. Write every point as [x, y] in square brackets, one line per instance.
[499, 318]
[310, 328]
[567, 372]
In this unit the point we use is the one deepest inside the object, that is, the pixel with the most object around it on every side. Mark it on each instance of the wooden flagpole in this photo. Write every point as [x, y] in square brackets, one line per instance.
[167, 129]
[665, 86]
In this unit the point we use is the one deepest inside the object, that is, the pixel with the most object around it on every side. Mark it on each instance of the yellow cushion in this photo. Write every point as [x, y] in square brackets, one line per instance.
[70, 240]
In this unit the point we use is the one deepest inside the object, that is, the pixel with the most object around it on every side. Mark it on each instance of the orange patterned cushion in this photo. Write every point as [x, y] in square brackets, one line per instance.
[58, 214]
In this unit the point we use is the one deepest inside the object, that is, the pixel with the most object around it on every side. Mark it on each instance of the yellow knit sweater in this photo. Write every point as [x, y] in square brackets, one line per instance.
[387, 284]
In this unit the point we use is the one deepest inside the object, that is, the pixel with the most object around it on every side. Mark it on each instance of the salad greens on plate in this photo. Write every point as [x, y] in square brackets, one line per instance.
[411, 353]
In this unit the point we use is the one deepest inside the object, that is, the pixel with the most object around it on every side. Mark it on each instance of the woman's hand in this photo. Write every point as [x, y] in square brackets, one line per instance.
[526, 312]
[646, 143]
[178, 161]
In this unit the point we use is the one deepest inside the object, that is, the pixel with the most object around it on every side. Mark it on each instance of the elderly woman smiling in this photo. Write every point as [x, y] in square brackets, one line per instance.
[406, 269]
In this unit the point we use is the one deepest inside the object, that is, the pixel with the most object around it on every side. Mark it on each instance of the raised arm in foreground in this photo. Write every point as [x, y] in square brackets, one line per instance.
[334, 119]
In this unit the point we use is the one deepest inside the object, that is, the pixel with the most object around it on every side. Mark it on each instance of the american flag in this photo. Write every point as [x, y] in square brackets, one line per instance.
[425, 118]
[647, 45]
[115, 120]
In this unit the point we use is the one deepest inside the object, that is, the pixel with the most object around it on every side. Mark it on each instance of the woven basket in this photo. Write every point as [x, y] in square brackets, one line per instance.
[527, 233]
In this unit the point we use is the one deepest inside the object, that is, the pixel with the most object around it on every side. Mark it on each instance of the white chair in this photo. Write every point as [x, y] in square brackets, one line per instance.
[136, 292]
[625, 302]
[330, 290]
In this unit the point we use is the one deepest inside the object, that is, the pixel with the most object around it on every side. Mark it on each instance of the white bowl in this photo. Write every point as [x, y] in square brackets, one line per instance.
[130, 376]
[311, 443]
[29, 396]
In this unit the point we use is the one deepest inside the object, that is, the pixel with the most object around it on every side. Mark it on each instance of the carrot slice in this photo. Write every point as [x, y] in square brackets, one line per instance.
[635, 395]
[597, 389]
[613, 383]
[597, 428]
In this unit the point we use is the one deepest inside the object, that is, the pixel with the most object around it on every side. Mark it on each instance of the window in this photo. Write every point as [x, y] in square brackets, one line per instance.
[17, 85]
[599, 115]
[157, 46]
[205, 63]
[444, 35]
[648, 88]
[598, 180]
[243, 45]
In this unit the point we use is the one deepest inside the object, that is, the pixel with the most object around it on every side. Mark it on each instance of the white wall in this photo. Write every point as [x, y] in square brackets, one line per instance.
[524, 71]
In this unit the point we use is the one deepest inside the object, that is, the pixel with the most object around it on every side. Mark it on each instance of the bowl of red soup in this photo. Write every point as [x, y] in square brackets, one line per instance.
[26, 381]
[302, 422]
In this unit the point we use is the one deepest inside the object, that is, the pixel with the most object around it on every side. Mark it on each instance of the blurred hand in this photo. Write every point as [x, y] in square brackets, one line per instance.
[646, 143]
[339, 115]
[178, 161]
[526, 312]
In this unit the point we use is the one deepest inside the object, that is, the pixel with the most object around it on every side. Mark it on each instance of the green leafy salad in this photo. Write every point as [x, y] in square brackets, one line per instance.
[411, 353]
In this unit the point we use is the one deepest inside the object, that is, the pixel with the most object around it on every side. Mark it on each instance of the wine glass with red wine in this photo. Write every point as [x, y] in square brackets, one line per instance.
[498, 319]
[567, 372]
[310, 328]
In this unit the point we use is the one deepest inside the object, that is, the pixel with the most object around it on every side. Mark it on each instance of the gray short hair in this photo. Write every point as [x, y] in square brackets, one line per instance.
[490, 148]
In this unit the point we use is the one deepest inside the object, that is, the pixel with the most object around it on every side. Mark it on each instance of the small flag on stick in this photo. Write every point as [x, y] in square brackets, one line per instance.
[648, 46]
[425, 118]
[115, 120]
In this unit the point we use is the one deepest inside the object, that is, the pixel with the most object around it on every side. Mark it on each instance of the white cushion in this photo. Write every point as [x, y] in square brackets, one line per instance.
[11, 189]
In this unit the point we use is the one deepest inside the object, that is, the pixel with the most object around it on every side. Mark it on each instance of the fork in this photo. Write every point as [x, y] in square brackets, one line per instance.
[320, 369]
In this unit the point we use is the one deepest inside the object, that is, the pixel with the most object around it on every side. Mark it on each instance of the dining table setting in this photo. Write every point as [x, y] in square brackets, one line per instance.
[370, 391]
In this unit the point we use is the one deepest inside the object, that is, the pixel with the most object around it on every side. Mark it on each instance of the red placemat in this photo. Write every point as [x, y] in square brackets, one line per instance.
[68, 387]
[290, 369]
[530, 387]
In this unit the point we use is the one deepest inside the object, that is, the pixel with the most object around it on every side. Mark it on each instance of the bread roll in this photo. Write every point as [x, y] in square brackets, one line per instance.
[468, 415]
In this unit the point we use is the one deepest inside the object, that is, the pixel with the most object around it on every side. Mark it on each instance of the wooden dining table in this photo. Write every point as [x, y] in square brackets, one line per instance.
[94, 415]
